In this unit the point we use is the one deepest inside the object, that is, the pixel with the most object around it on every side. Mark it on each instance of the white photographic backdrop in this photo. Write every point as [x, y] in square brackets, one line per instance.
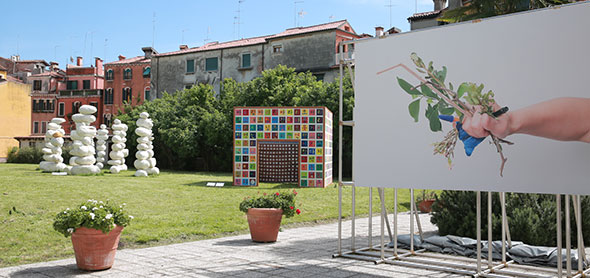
[524, 58]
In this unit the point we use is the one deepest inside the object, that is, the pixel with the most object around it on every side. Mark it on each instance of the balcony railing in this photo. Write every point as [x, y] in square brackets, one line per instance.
[79, 93]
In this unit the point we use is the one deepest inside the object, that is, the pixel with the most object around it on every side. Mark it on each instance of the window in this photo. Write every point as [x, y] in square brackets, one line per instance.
[277, 48]
[127, 73]
[109, 75]
[36, 127]
[43, 127]
[211, 64]
[147, 71]
[37, 85]
[62, 109]
[76, 107]
[190, 66]
[246, 60]
[34, 106]
[86, 84]
[126, 95]
[108, 96]
[72, 85]
[146, 93]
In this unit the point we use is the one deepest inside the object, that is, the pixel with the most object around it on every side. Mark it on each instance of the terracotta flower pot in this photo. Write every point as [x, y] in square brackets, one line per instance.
[264, 223]
[426, 205]
[95, 250]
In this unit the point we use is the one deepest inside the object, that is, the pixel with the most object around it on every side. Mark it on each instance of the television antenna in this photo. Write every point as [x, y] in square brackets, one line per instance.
[301, 14]
[237, 19]
[295, 12]
[390, 6]
[207, 37]
[153, 28]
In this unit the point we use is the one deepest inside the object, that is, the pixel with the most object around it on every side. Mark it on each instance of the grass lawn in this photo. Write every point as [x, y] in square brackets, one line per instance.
[169, 208]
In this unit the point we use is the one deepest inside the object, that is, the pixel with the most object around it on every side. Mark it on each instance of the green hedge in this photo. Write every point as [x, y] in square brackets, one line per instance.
[531, 217]
[24, 155]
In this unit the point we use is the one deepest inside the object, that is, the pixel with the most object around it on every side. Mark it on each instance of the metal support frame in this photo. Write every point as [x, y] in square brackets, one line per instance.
[419, 258]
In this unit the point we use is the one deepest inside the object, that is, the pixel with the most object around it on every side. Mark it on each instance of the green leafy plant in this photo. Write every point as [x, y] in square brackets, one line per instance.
[92, 214]
[284, 201]
[443, 100]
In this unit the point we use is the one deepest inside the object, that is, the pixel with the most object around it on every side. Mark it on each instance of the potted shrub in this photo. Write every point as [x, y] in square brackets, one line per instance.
[426, 200]
[95, 228]
[265, 213]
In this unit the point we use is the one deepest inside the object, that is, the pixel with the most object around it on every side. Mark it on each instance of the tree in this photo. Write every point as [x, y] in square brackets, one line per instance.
[486, 8]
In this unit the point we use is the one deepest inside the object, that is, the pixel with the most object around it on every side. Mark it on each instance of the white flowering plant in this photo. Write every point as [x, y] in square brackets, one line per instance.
[92, 214]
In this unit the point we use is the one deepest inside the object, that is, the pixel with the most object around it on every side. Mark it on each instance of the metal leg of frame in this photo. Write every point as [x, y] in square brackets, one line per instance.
[578, 213]
[382, 198]
[418, 222]
[340, 109]
[370, 217]
[339, 219]
[478, 230]
[353, 226]
[395, 224]
[568, 241]
[412, 220]
[490, 230]
[382, 229]
[559, 247]
[503, 204]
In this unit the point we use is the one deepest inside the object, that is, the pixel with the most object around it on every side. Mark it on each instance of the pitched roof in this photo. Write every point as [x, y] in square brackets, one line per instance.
[425, 15]
[33, 61]
[138, 59]
[48, 73]
[258, 40]
[3, 68]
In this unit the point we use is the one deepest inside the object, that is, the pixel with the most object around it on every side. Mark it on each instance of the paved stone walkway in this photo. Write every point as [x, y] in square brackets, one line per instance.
[299, 252]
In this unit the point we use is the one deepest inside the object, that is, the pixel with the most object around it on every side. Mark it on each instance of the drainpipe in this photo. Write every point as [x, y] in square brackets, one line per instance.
[262, 58]
[220, 69]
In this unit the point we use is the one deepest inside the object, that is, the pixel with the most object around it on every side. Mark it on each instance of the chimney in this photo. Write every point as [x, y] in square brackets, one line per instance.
[98, 64]
[54, 66]
[149, 52]
[183, 47]
[121, 57]
[394, 30]
[15, 58]
[378, 31]
[439, 4]
[79, 61]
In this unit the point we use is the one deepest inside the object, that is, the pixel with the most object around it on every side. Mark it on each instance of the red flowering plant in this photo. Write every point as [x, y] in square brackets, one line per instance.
[284, 201]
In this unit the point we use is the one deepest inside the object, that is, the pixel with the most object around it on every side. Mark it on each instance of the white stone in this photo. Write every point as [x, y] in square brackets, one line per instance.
[53, 158]
[48, 145]
[142, 140]
[117, 147]
[123, 167]
[87, 109]
[74, 135]
[84, 169]
[47, 151]
[115, 170]
[81, 118]
[144, 115]
[102, 137]
[145, 123]
[116, 155]
[58, 121]
[114, 162]
[73, 161]
[153, 171]
[100, 160]
[125, 153]
[117, 121]
[141, 173]
[151, 152]
[58, 142]
[100, 142]
[82, 151]
[143, 147]
[141, 164]
[87, 141]
[152, 162]
[86, 131]
[99, 165]
[53, 126]
[101, 154]
[117, 139]
[142, 155]
[86, 160]
[141, 131]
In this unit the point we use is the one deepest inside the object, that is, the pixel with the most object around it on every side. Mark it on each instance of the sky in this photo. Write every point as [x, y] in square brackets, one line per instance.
[58, 30]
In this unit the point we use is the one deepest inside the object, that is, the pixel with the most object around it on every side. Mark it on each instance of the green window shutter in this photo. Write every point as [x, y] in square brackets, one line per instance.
[190, 66]
[211, 64]
[245, 60]
[147, 71]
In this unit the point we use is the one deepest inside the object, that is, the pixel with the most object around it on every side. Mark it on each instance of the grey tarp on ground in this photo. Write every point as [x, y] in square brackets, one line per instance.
[464, 246]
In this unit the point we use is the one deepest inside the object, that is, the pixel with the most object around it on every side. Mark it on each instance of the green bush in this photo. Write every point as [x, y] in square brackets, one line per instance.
[531, 217]
[24, 155]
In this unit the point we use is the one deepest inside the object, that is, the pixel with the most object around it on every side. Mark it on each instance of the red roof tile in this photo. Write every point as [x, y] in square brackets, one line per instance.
[258, 40]
[33, 61]
[48, 73]
[424, 15]
[138, 59]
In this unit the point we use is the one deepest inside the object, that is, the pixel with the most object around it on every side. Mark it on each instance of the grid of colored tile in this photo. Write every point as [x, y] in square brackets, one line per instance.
[310, 127]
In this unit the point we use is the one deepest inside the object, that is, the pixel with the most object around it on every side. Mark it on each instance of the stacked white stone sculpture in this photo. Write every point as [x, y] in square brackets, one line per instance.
[102, 135]
[145, 162]
[118, 149]
[52, 150]
[82, 161]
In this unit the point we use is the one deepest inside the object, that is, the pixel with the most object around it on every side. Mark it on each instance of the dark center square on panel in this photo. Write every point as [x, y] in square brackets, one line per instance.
[278, 161]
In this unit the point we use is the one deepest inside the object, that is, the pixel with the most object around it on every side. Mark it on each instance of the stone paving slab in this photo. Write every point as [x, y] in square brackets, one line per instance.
[299, 252]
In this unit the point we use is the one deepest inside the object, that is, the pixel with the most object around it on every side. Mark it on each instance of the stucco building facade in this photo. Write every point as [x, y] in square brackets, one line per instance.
[311, 48]
[15, 112]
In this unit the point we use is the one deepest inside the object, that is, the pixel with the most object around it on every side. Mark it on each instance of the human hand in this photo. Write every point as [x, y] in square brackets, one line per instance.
[482, 125]
[469, 142]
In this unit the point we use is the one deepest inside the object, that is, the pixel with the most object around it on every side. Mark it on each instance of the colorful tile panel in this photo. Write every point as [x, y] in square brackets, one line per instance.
[308, 128]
